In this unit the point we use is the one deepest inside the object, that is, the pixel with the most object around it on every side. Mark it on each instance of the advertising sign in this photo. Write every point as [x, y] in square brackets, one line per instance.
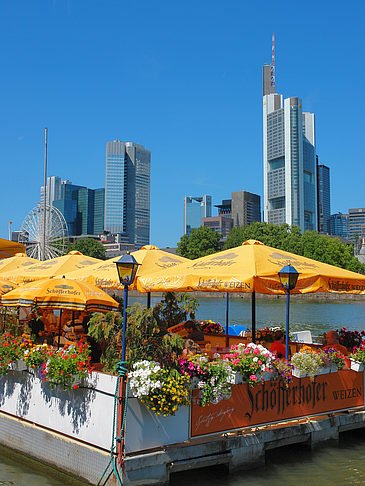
[273, 401]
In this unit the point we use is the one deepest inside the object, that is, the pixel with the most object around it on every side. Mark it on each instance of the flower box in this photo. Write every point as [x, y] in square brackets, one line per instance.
[267, 376]
[356, 365]
[18, 365]
[238, 378]
[194, 383]
[299, 373]
[328, 369]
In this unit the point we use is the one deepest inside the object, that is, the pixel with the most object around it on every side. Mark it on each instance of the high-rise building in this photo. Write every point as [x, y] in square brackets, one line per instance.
[221, 224]
[339, 225]
[90, 208]
[127, 191]
[356, 224]
[82, 208]
[323, 198]
[195, 209]
[246, 208]
[290, 184]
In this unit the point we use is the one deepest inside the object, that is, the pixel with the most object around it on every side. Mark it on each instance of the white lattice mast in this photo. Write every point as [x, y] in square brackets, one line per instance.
[273, 62]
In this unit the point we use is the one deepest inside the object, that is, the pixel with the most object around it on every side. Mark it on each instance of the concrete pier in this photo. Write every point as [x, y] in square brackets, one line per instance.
[241, 450]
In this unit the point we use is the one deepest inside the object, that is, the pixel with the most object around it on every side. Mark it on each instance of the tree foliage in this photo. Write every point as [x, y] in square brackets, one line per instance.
[309, 244]
[89, 247]
[201, 242]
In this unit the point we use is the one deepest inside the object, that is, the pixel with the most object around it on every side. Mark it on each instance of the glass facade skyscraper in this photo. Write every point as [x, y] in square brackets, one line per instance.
[339, 225]
[195, 209]
[82, 208]
[290, 183]
[323, 198]
[127, 191]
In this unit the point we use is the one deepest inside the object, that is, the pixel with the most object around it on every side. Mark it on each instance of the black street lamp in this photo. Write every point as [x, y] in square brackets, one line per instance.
[288, 278]
[127, 268]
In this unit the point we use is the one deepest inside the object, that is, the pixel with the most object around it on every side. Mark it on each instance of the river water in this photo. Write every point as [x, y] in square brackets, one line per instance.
[341, 465]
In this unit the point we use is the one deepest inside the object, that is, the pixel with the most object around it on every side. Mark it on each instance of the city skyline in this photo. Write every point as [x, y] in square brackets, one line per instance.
[194, 102]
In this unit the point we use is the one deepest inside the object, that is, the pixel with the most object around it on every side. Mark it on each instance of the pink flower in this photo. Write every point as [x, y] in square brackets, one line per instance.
[259, 362]
[253, 377]
[235, 361]
[256, 351]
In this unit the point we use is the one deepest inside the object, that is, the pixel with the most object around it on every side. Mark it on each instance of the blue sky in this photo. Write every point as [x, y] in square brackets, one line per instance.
[184, 80]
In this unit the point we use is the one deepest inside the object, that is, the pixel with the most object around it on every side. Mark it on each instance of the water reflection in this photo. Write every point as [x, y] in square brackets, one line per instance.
[23, 472]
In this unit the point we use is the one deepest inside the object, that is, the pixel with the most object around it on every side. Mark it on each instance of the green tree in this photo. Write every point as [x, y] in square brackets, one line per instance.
[89, 247]
[201, 242]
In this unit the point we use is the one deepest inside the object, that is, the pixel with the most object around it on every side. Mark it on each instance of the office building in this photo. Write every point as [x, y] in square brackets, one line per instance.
[82, 208]
[127, 191]
[356, 224]
[220, 224]
[90, 211]
[195, 209]
[246, 208]
[323, 198]
[225, 209]
[290, 183]
[339, 225]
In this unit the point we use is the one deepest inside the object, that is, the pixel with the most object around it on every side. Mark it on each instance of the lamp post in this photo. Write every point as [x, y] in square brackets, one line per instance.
[288, 278]
[127, 268]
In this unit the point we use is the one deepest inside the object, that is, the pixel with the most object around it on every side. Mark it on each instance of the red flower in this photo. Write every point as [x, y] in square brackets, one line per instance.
[75, 386]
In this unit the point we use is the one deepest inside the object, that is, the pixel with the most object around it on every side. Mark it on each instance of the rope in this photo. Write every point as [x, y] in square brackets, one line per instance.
[121, 369]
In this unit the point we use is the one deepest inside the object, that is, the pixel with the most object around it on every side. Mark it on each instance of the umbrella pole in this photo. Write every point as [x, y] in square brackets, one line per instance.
[148, 300]
[59, 330]
[227, 313]
[253, 316]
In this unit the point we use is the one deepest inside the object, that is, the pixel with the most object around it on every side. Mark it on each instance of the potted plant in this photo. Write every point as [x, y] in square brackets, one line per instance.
[11, 353]
[193, 367]
[252, 363]
[163, 391]
[306, 363]
[336, 359]
[357, 358]
[36, 355]
[216, 385]
[67, 366]
[211, 327]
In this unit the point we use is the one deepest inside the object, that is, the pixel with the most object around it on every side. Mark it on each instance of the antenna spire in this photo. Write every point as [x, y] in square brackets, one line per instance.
[273, 62]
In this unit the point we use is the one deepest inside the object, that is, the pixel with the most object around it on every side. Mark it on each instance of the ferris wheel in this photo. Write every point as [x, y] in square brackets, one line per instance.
[44, 244]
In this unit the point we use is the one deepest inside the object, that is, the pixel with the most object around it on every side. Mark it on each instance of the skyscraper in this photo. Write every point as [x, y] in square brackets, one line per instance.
[339, 225]
[82, 208]
[246, 208]
[323, 198]
[290, 185]
[195, 209]
[127, 191]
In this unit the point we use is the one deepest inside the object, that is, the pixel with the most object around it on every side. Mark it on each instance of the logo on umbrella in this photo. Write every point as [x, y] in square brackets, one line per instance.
[63, 286]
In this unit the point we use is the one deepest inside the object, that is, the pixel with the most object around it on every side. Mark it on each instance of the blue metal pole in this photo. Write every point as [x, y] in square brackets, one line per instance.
[124, 320]
[287, 325]
[227, 320]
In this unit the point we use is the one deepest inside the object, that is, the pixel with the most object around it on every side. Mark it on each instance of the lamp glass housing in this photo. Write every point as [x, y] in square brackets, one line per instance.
[288, 276]
[127, 268]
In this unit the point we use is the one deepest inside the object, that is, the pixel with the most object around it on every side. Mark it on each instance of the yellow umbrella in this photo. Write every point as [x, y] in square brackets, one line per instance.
[252, 267]
[105, 275]
[10, 248]
[50, 268]
[6, 286]
[61, 293]
[19, 260]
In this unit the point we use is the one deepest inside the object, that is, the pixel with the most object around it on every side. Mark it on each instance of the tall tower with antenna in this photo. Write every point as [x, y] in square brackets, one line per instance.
[273, 62]
[290, 182]
[268, 72]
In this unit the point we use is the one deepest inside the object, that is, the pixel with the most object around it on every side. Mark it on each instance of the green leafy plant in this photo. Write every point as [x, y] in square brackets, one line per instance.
[107, 329]
[359, 354]
[67, 366]
[10, 351]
